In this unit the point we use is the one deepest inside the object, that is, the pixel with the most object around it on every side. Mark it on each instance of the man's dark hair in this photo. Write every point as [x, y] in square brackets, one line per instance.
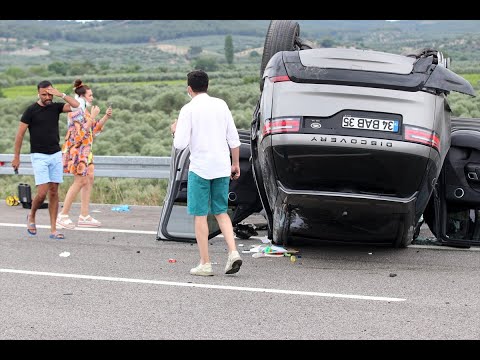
[198, 80]
[43, 84]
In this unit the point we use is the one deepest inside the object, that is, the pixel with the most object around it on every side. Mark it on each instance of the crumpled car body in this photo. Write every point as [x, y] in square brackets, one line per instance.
[347, 144]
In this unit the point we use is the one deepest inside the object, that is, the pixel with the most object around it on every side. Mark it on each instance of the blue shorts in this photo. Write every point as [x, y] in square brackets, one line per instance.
[47, 168]
[207, 196]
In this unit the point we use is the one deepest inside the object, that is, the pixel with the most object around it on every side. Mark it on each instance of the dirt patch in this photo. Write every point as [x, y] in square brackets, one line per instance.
[172, 49]
[248, 51]
[35, 51]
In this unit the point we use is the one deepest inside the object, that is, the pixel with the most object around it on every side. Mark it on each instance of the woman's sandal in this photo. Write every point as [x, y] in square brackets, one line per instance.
[31, 227]
[57, 236]
[64, 222]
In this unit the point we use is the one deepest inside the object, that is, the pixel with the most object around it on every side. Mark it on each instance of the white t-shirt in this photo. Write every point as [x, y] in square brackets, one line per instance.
[83, 103]
[206, 125]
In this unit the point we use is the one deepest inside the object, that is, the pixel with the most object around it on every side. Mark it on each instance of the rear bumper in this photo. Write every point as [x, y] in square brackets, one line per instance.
[334, 163]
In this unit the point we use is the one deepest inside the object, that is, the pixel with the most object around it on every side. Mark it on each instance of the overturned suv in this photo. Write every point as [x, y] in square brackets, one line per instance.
[347, 145]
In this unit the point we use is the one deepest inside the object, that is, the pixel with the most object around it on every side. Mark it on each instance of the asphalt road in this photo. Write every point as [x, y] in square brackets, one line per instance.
[116, 282]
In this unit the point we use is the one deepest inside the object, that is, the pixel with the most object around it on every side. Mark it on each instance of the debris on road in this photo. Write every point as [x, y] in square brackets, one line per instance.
[269, 250]
[121, 208]
[244, 231]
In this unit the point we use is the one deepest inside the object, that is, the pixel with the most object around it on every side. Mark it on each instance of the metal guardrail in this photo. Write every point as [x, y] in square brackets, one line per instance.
[144, 167]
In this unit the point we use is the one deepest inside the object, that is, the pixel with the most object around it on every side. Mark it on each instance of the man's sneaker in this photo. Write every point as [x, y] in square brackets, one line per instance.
[64, 222]
[202, 270]
[234, 262]
[88, 221]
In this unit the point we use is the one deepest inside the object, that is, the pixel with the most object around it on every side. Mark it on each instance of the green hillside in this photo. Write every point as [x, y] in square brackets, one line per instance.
[146, 45]
[140, 67]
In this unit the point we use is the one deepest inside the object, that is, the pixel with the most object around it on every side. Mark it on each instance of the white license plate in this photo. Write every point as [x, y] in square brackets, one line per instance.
[353, 122]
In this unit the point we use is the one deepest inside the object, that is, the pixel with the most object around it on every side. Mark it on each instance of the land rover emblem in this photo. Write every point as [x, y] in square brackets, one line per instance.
[315, 125]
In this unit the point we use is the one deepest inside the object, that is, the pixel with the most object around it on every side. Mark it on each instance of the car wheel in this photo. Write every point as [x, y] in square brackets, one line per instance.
[281, 36]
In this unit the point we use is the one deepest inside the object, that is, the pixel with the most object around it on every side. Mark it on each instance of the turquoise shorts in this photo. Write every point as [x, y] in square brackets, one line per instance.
[47, 168]
[207, 196]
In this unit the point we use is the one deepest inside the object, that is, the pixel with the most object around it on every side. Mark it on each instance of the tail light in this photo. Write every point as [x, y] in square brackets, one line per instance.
[422, 136]
[280, 78]
[276, 126]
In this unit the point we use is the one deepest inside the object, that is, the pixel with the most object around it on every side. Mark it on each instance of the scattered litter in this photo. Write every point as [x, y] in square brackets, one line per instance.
[240, 245]
[393, 275]
[370, 253]
[244, 231]
[265, 240]
[272, 249]
[172, 260]
[65, 254]
[12, 200]
[214, 263]
[293, 258]
[138, 251]
[261, 254]
[269, 250]
[121, 208]
[96, 211]
[245, 251]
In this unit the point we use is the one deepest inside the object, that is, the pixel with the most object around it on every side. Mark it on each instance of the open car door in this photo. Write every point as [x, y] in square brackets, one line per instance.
[243, 200]
[453, 212]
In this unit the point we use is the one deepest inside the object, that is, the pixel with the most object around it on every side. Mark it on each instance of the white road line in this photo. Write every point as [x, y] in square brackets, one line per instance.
[146, 232]
[205, 286]
[87, 229]
[437, 247]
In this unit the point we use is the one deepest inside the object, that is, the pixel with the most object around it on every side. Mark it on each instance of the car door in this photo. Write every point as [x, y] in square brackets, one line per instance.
[454, 218]
[243, 200]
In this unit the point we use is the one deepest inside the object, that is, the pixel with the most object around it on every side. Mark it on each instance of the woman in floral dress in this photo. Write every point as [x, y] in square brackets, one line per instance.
[78, 155]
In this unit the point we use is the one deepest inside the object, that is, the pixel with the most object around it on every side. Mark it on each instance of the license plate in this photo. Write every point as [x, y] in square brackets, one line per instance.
[353, 122]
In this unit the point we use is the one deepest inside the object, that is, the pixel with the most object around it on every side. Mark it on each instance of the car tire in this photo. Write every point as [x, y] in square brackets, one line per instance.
[281, 36]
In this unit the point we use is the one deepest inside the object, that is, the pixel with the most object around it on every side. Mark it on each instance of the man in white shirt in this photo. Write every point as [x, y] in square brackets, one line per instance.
[206, 125]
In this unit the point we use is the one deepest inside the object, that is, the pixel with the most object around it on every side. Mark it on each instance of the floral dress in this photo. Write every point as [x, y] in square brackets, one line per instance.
[77, 149]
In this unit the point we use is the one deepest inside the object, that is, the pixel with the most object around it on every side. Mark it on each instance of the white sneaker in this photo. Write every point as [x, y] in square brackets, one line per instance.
[234, 262]
[202, 270]
[88, 221]
[64, 222]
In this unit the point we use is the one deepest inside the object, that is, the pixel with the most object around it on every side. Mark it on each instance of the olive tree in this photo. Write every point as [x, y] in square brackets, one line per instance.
[229, 49]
